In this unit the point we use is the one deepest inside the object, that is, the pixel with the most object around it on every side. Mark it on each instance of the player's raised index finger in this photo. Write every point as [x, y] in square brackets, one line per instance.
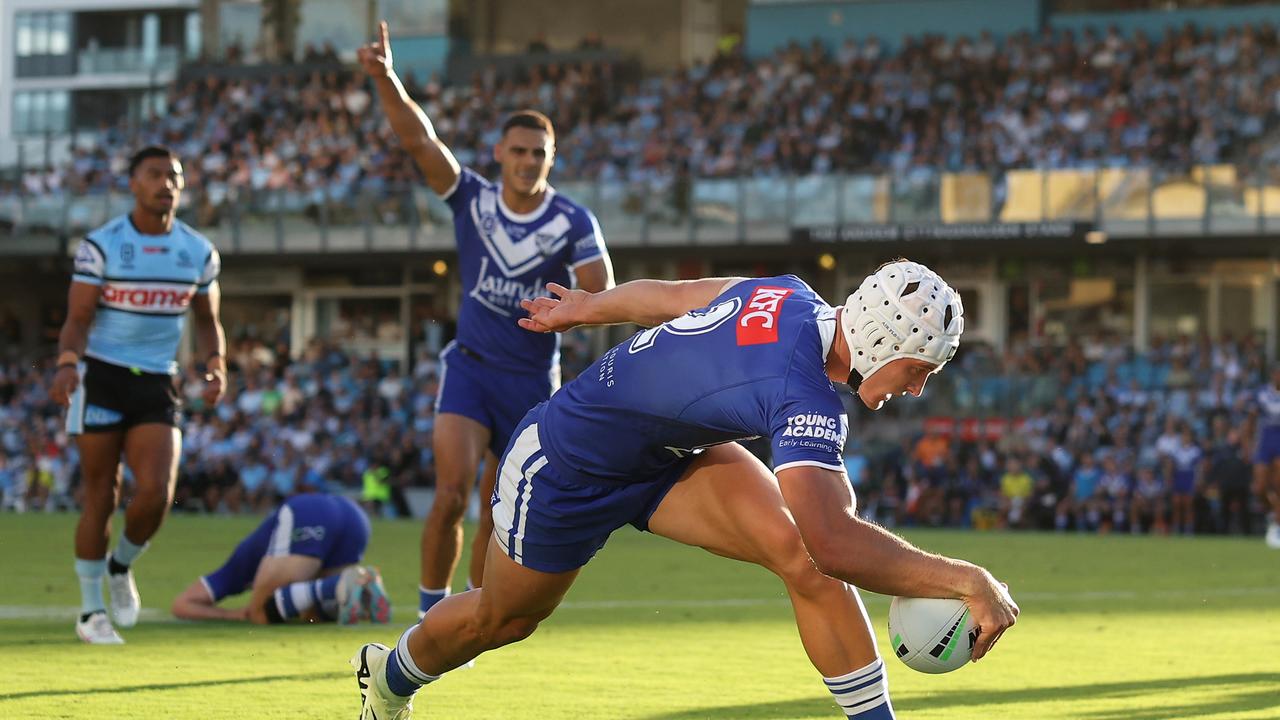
[382, 33]
[557, 289]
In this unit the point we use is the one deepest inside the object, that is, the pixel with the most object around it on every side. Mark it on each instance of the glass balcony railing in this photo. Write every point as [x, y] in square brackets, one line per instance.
[1201, 201]
[131, 60]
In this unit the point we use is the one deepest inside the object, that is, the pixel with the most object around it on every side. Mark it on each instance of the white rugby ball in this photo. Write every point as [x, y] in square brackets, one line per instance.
[932, 635]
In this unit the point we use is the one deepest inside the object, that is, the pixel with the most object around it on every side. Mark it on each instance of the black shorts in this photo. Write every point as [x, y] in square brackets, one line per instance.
[113, 398]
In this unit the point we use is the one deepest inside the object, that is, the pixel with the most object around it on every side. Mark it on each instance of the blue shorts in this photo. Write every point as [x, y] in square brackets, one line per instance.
[1268, 445]
[547, 524]
[493, 397]
[1184, 482]
[331, 528]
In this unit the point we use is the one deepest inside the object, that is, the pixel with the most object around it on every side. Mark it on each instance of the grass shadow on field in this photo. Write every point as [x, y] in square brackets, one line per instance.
[1238, 696]
[173, 686]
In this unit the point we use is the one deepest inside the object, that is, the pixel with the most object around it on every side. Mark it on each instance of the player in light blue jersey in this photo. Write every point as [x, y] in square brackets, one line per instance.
[135, 279]
[302, 562]
[1266, 460]
[513, 237]
[645, 437]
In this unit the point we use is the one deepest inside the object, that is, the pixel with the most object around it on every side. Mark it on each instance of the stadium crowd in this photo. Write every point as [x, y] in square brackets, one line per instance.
[1104, 440]
[1052, 100]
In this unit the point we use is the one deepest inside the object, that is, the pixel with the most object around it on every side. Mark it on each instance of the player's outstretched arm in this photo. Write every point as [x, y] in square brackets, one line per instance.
[410, 123]
[644, 302]
[194, 603]
[868, 556]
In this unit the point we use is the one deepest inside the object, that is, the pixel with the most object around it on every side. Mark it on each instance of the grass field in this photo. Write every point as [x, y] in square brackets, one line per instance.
[1113, 628]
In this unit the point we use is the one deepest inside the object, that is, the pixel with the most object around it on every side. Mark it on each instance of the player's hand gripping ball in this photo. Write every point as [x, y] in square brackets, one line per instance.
[932, 635]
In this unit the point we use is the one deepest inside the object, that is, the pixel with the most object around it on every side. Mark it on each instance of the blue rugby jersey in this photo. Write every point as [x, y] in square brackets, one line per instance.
[331, 528]
[750, 364]
[1268, 399]
[505, 257]
[148, 282]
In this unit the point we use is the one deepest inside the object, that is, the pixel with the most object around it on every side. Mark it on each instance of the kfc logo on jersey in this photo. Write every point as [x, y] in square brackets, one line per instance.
[758, 321]
[143, 298]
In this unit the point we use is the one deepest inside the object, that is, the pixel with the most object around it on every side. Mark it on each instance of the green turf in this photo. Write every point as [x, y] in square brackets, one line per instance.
[1113, 628]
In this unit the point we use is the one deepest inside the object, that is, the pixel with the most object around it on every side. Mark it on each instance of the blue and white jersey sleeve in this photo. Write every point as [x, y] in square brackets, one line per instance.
[589, 243]
[90, 263]
[1268, 401]
[809, 426]
[209, 275]
[465, 188]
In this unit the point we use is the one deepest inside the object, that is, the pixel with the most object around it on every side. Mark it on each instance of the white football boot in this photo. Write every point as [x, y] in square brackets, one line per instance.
[370, 663]
[1273, 535]
[125, 601]
[97, 630]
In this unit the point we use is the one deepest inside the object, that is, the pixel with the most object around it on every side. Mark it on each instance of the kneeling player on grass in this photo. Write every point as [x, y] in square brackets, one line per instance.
[645, 437]
[301, 562]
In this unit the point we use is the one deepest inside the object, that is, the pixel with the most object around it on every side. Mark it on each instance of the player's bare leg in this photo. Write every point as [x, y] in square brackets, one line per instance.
[730, 504]
[151, 451]
[459, 443]
[484, 529]
[507, 609]
[1266, 483]
[100, 492]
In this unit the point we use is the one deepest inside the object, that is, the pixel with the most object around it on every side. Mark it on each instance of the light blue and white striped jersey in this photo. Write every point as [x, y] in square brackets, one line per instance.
[148, 282]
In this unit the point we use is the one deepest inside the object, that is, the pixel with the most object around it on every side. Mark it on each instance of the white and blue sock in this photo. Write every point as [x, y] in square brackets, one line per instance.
[90, 573]
[294, 599]
[124, 555]
[863, 693]
[402, 676]
[428, 597]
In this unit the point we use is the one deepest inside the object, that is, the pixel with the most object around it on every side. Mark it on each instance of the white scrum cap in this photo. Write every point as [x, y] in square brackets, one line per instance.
[902, 310]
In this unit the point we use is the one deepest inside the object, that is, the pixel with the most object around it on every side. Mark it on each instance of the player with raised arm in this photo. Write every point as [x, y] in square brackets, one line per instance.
[1266, 459]
[134, 280]
[645, 437]
[302, 562]
[512, 237]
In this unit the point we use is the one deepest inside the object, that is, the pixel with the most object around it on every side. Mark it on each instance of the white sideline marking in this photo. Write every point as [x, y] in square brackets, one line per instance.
[69, 613]
[152, 615]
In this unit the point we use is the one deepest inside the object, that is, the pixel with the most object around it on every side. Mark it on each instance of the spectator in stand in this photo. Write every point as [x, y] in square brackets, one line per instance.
[1015, 492]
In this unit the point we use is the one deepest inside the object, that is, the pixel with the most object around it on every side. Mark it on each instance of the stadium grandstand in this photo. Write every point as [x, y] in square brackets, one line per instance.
[1099, 184]
[361, 259]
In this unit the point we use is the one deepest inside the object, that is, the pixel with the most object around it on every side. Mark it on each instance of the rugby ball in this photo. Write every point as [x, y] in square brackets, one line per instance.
[932, 635]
